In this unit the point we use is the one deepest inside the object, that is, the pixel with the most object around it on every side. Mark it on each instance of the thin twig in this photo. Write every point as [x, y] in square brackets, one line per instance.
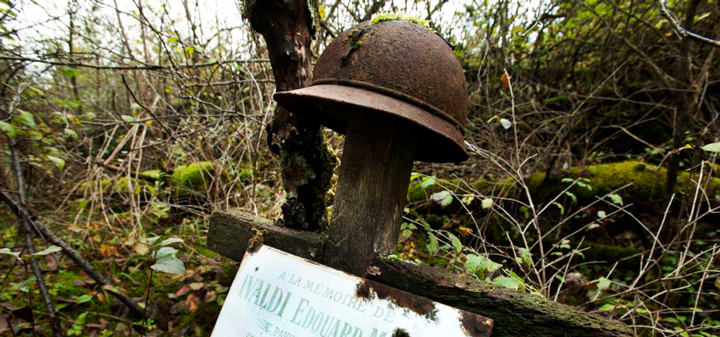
[152, 114]
[27, 227]
[28, 233]
[134, 67]
[681, 30]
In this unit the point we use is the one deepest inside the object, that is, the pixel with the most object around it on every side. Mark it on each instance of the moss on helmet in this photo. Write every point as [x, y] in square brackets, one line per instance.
[353, 42]
[354, 39]
[398, 17]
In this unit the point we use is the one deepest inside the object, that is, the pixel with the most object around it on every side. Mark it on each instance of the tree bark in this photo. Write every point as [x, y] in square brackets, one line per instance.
[683, 98]
[287, 27]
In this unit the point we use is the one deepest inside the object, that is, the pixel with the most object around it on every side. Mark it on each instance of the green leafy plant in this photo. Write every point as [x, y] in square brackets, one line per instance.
[78, 325]
[480, 265]
[164, 257]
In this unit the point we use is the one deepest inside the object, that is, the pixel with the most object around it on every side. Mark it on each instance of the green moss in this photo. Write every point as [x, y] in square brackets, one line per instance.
[104, 184]
[554, 99]
[121, 185]
[354, 34]
[646, 183]
[192, 177]
[152, 175]
[202, 249]
[636, 85]
[354, 42]
[245, 174]
[63, 284]
[535, 180]
[398, 17]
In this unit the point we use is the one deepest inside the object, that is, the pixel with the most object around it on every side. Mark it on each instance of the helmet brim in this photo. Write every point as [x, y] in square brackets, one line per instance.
[333, 105]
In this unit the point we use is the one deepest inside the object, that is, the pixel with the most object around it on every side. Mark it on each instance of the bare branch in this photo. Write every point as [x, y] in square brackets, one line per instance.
[682, 31]
[129, 67]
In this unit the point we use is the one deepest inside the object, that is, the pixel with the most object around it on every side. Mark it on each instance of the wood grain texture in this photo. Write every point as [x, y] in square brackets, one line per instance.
[372, 187]
[231, 232]
[515, 313]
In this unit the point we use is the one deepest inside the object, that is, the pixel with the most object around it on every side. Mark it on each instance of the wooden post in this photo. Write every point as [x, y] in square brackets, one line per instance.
[372, 187]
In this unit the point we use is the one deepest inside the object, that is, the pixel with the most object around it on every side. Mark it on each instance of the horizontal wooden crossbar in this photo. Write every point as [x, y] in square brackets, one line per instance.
[515, 313]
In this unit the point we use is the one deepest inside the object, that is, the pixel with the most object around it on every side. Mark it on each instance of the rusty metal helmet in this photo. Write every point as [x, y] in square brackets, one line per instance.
[392, 67]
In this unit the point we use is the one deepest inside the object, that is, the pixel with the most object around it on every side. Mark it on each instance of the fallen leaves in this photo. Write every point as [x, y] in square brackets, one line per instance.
[108, 251]
[196, 285]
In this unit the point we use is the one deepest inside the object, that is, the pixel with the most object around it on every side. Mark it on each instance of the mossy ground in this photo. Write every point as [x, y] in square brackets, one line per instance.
[192, 177]
[645, 182]
[193, 300]
[620, 238]
[186, 304]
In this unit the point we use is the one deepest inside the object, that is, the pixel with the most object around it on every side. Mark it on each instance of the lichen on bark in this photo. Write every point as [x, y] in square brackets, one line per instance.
[306, 164]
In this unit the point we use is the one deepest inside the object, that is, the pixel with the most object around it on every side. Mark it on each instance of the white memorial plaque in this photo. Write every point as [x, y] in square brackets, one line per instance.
[281, 295]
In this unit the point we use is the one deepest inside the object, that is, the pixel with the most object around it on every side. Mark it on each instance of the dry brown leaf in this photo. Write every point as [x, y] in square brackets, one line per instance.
[184, 290]
[192, 302]
[505, 80]
[109, 251]
[210, 296]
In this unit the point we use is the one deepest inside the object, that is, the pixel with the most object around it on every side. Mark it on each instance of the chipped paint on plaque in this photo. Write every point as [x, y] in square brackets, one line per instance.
[278, 294]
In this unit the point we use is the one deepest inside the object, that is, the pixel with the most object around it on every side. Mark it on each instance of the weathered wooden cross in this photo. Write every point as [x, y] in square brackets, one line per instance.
[398, 93]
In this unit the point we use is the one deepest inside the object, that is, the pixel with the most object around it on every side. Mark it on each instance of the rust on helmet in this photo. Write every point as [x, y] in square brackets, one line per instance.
[353, 41]
[404, 59]
[396, 67]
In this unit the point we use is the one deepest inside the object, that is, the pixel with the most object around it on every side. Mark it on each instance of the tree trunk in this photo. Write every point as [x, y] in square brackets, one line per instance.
[306, 164]
[683, 98]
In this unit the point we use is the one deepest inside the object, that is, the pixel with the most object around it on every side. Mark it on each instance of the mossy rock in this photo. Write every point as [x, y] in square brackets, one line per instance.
[193, 177]
[647, 183]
